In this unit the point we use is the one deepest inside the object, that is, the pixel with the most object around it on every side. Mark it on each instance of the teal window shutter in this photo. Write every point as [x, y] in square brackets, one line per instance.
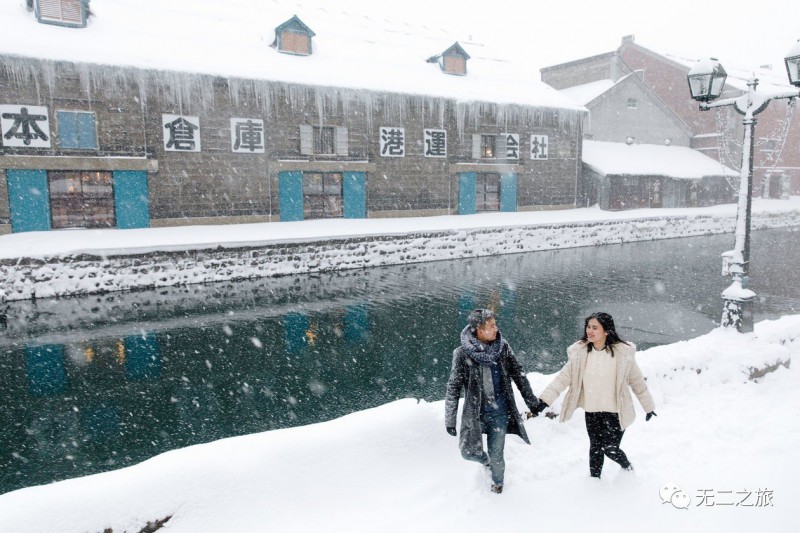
[508, 192]
[67, 129]
[29, 200]
[290, 185]
[355, 195]
[87, 134]
[131, 199]
[466, 193]
[76, 130]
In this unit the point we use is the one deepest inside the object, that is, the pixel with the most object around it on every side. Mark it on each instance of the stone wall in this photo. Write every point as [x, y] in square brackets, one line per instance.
[87, 274]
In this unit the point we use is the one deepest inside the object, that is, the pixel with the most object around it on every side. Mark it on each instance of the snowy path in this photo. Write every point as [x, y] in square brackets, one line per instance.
[393, 468]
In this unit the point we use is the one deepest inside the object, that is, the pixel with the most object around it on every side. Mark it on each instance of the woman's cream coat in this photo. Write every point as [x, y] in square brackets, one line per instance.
[628, 377]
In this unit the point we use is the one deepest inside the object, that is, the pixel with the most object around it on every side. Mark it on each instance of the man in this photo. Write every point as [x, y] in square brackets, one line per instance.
[484, 365]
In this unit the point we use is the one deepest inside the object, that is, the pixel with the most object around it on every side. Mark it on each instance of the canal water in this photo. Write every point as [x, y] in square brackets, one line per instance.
[100, 382]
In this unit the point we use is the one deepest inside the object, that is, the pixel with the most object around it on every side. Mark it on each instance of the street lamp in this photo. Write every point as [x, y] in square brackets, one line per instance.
[792, 61]
[706, 82]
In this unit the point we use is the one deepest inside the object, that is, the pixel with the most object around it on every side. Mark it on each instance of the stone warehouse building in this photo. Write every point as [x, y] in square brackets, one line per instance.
[322, 115]
[637, 95]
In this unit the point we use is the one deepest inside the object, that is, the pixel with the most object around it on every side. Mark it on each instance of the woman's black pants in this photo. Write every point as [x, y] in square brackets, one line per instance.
[605, 434]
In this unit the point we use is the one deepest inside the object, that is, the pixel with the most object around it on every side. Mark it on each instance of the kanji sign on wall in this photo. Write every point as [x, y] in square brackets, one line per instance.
[247, 135]
[181, 133]
[512, 145]
[26, 126]
[539, 147]
[435, 143]
[393, 142]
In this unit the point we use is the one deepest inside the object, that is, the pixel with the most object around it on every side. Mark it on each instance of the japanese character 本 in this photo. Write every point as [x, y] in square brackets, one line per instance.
[26, 126]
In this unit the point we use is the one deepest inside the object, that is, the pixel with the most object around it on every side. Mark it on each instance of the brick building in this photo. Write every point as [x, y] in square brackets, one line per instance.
[325, 114]
[641, 95]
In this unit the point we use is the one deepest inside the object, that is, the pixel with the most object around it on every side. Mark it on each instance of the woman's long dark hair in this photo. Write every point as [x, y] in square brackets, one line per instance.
[608, 325]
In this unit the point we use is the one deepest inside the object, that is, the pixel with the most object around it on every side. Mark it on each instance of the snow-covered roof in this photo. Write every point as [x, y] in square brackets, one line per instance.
[677, 162]
[770, 81]
[583, 94]
[355, 46]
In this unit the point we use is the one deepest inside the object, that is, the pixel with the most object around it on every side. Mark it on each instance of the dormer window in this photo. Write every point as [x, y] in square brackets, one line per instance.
[71, 13]
[453, 60]
[293, 37]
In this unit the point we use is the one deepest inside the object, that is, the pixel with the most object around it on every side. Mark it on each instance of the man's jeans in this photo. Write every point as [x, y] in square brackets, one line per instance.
[496, 425]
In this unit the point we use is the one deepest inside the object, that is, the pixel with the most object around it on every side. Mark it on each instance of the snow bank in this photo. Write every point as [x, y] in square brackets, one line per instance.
[99, 261]
[393, 468]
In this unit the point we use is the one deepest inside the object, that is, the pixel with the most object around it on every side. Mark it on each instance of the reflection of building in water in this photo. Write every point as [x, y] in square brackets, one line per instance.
[44, 366]
[356, 325]
[295, 327]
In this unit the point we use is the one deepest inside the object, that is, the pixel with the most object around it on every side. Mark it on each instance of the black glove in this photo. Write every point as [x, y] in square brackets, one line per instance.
[541, 406]
[650, 415]
[452, 431]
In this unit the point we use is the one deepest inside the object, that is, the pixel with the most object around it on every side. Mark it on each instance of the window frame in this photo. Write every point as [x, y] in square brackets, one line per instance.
[80, 140]
[327, 201]
[483, 190]
[633, 103]
[322, 135]
[71, 213]
[485, 146]
[295, 42]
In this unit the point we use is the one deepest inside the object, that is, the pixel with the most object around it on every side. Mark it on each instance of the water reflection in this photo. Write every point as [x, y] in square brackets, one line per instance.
[95, 383]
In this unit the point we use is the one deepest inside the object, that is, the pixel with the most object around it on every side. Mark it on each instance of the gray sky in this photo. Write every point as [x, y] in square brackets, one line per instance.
[747, 34]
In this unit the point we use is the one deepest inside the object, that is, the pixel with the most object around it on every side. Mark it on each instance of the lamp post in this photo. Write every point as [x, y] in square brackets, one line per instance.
[706, 82]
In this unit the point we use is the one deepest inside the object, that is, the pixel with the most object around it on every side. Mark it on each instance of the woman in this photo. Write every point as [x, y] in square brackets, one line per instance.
[599, 373]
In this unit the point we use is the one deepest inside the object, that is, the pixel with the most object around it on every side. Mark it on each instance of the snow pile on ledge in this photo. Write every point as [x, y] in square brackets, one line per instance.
[393, 468]
[369, 243]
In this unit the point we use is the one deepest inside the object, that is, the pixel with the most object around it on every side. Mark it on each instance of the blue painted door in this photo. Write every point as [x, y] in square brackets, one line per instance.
[508, 192]
[131, 199]
[466, 193]
[29, 200]
[355, 195]
[290, 186]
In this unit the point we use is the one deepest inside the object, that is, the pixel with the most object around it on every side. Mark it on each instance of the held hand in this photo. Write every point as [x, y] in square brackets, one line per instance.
[452, 431]
[650, 415]
[541, 406]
